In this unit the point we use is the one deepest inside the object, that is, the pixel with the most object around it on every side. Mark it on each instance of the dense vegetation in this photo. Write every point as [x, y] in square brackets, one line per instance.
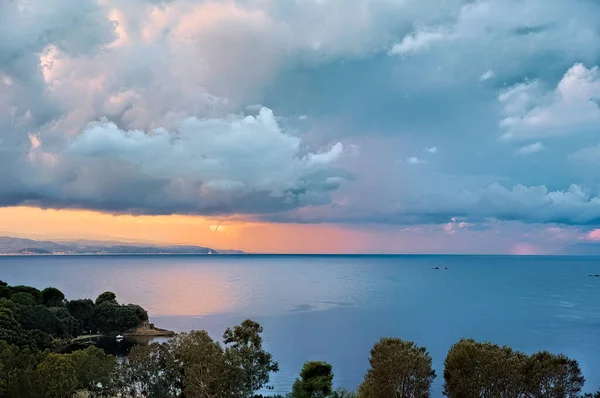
[40, 320]
[194, 365]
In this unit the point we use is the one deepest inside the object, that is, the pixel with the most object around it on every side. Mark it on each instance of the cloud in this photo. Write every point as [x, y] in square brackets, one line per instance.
[139, 136]
[589, 155]
[572, 107]
[489, 74]
[529, 149]
[415, 160]
[417, 41]
[594, 235]
[238, 164]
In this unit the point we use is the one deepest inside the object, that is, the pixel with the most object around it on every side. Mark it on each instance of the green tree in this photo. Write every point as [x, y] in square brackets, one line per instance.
[205, 372]
[252, 365]
[83, 311]
[52, 297]
[69, 324]
[35, 293]
[473, 369]
[41, 318]
[57, 376]
[399, 369]
[152, 371]
[112, 318]
[24, 299]
[5, 292]
[11, 331]
[316, 381]
[552, 376]
[17, 375]
[94, 371]
[106, 297]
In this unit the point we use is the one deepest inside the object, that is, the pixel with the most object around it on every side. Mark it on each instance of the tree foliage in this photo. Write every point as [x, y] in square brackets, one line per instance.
[474, 369]
[251, 365]
[316, 381]
[106, 297]
[83, 311]
[399, 369]
[52, 297]
[152, 371]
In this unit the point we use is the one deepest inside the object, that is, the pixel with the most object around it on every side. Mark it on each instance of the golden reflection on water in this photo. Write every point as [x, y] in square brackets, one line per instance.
[187, 291]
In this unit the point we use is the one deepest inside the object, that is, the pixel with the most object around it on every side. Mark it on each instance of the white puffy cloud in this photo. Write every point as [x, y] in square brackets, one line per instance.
[238, 153]
[572, 107]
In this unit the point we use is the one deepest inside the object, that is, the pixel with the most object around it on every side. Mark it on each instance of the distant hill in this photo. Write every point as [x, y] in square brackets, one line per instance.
[9, 245]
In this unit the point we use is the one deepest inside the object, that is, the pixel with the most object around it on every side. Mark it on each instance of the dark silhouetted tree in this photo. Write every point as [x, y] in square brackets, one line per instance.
[106, 297]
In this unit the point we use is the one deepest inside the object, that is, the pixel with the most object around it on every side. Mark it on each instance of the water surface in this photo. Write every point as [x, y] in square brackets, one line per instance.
[334, 308]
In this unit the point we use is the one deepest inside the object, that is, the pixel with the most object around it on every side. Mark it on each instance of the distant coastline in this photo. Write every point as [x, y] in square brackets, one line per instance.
[10, 246]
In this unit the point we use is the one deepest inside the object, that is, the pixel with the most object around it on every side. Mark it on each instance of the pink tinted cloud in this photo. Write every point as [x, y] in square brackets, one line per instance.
[594, 235]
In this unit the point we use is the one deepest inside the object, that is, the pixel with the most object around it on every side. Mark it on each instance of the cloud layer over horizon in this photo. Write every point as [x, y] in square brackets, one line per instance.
[315, 111]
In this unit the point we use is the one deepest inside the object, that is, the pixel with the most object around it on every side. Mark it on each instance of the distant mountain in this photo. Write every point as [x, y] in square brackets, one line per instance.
[21, 246]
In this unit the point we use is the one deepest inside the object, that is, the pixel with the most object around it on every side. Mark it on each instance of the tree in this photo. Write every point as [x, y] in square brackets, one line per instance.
[24, 299]
[252, 365]
[52, 297]
[57, 376]
[399, 369]
[152, 371]
[17, 375]
[11, 331]
[473, 369]
[205, 373]
[41, 318]
[590, 395]
[5, 292]
[35, 293]
[552, 376]
[69, 324]
[83, 311]
[110, 317]
[316, 381]
[94, 370]
[107, 297]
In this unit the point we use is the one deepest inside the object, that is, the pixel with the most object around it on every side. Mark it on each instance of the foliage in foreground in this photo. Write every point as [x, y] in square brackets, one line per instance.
[194, 365]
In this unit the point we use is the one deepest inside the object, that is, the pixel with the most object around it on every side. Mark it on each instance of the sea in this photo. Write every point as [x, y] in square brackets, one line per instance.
[334, 308]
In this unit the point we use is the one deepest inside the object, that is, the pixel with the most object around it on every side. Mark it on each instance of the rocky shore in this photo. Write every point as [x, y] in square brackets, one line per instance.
[148, 329]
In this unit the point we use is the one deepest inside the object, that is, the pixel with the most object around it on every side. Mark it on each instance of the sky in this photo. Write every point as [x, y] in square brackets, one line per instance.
[303, 126]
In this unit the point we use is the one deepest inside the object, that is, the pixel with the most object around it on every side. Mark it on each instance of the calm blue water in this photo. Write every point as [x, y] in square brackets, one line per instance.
[334, 308]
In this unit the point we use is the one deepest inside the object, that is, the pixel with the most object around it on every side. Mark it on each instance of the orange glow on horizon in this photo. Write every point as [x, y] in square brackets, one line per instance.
[250, 236]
